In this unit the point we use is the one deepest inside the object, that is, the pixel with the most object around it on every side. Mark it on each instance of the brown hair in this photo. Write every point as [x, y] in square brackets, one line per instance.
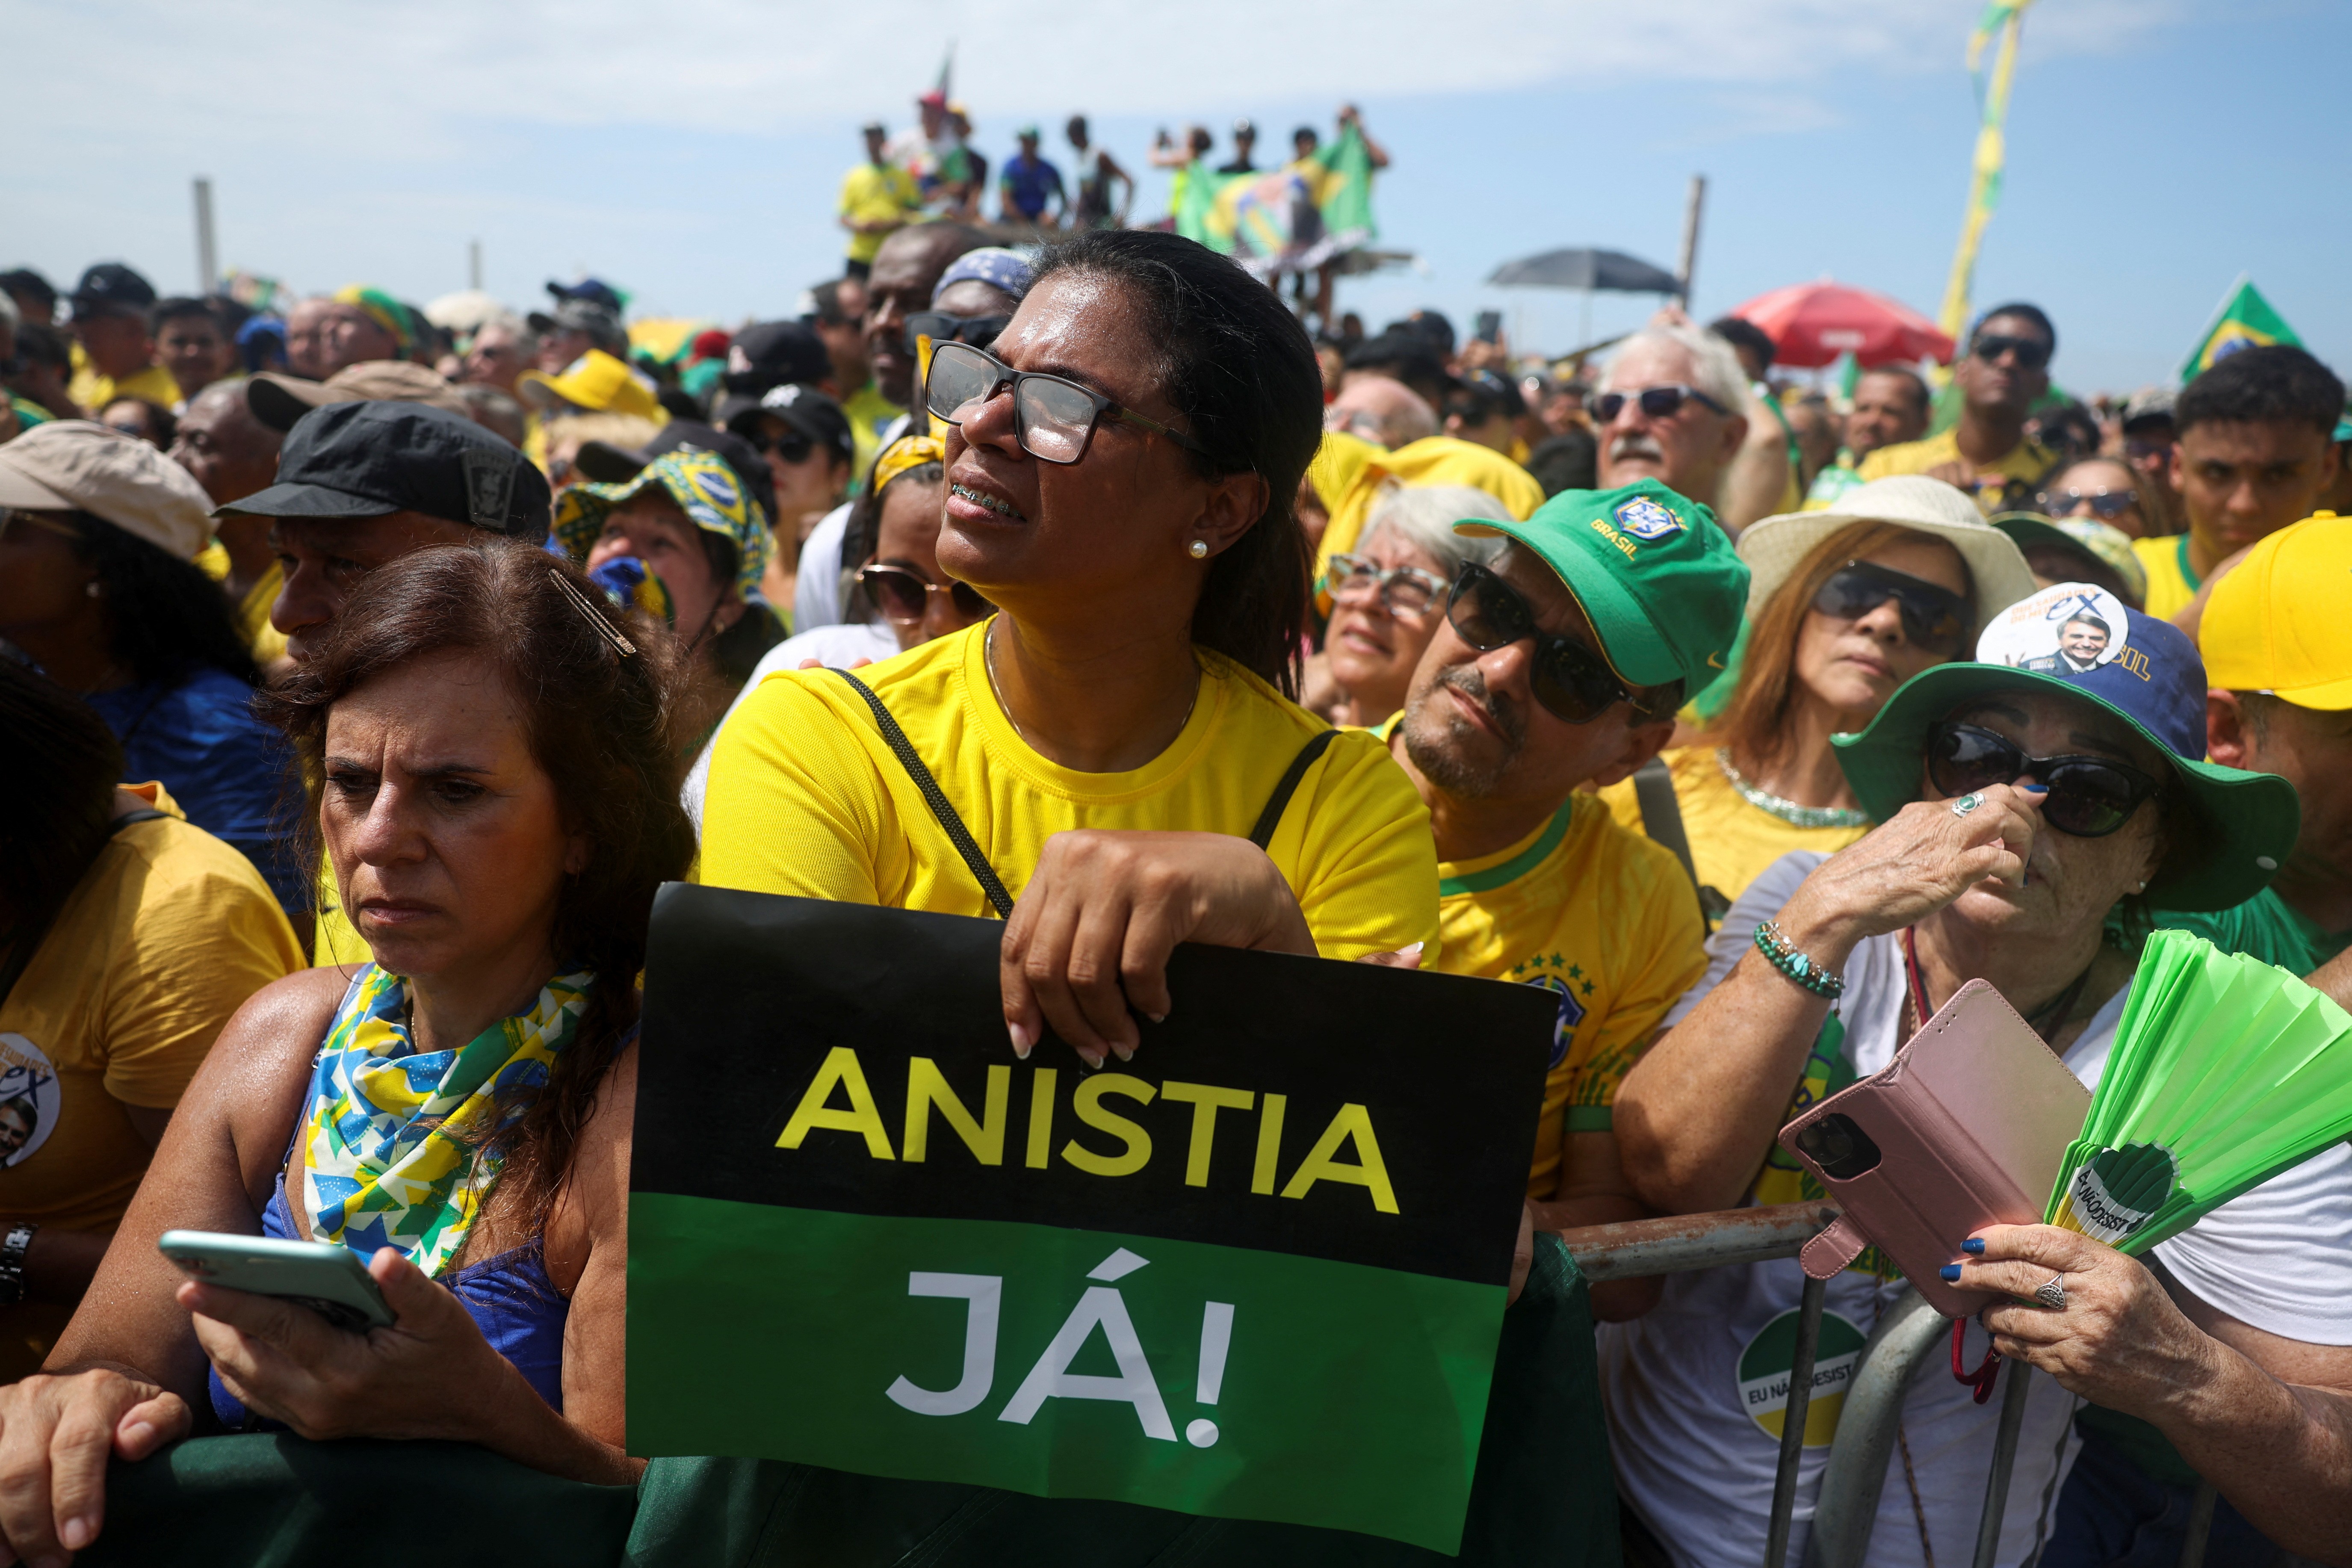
[597, 721]
[1754, 721]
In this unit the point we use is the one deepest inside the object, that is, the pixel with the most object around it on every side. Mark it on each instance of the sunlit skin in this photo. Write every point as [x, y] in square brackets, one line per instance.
[1996, 393]
[805, 490]
[196, 350]
[1688, 453]
[232, 455]
[1382, 410]
[650, 527]
[906, 270]
[909, 536]
[845, 340]
[323, 336]
[1886, 409]
[117, 343]
[324, 560]
[2071, 488]
[2311, 747]
[1374, 650]
[2243, 480]
[497, 357]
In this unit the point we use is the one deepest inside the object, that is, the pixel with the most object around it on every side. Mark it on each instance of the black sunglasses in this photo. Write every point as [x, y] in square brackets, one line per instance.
[905, 595]
[942, 328]
[1569, 680]
[2089, 797]
[2105, 505]
[2031, 354]
[1053, 416]
[792, 447]
[1656, 402]
[1934, 618]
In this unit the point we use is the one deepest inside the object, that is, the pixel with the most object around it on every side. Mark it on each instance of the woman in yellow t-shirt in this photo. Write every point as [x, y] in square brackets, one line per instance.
[1844, 606]
[1121, 466]
[127, 937]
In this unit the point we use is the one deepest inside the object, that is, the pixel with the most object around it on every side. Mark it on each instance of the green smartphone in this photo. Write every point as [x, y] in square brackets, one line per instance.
[329, 1279]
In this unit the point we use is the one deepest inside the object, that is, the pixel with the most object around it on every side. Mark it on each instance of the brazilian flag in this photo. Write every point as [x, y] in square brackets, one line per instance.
[1258, 1272]
[1298, 216]
[2246, 321]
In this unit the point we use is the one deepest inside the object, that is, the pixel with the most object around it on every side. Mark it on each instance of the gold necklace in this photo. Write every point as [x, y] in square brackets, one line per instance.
[988, 663]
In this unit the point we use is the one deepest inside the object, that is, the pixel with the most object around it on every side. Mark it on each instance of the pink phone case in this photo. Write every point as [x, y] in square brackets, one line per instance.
[1972, 1120]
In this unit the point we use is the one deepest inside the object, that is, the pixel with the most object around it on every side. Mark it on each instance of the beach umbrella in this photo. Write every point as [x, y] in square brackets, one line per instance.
[1611, 270]
[1810, 324]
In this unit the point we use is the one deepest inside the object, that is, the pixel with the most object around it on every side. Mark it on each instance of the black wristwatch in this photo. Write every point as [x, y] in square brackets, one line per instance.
[12, 1261]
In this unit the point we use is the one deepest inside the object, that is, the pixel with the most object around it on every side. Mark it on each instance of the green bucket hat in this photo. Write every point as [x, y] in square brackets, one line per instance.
[2146, 673]
[1653, 572]
[704, 488]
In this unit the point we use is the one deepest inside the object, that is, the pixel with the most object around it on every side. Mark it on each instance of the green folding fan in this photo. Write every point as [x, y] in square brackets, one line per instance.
[2225, 1071]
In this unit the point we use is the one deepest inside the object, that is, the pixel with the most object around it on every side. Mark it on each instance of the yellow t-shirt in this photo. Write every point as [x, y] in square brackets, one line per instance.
[1731, 839]
[2024, 461]
[875, 192]
[806, 798]
[165, 935]
[94, 391]
[266, 643]
[868, 412]
[2171, 582]
[1603, 918]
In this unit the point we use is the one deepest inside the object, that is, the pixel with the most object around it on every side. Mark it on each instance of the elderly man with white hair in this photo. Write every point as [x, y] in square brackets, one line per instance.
[1671, 408]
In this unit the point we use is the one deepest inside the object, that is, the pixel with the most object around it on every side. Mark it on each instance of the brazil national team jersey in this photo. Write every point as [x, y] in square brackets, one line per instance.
[1601, 917]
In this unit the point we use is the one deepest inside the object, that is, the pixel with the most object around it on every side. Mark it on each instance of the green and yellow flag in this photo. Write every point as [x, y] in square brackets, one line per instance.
[2245, 321]
[2003, 19]
[1290, 218]
[1258, 1272]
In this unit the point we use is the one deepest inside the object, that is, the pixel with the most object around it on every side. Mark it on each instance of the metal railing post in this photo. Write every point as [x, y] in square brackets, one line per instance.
[1633, 1249]
[2004, 1460]
[2200, 1526]
[1845, 1505]
[1792, 1421]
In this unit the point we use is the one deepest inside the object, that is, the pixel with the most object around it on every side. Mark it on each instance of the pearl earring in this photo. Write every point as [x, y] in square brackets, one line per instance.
[91, 588]
[1199, 547]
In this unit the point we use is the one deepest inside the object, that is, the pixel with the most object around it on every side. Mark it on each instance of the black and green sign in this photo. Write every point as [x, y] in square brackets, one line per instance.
[1258, 1272]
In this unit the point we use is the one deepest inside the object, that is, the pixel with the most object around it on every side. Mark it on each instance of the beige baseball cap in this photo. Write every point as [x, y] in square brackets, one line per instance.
[74, 464]
[278, 400]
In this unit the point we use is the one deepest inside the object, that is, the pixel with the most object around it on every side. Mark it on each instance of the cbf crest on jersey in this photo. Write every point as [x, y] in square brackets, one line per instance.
[1645, 519]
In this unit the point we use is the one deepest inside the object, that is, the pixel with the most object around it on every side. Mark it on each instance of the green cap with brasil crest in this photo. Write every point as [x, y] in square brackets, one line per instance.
[1652, 570]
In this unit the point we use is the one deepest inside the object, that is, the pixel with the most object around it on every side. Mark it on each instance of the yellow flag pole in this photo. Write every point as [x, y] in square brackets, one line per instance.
[1984, 188]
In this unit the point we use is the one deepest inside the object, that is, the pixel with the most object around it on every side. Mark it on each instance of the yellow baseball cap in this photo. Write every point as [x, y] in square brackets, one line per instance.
[598, 381]
[2277, 623]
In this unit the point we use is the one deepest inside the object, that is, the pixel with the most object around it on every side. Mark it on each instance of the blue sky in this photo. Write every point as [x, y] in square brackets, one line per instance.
[2157, 148]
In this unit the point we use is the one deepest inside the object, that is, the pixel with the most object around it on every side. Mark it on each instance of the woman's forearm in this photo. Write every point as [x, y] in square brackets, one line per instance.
[2281, 1452]
[517, 1424]
[60, 1264]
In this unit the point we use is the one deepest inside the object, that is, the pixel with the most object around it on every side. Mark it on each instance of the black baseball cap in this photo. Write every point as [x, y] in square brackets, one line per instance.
[111, 285]
[804, 409]
[608, 463]
[365, 459]
[595, 290]
[600, 322]
[26, 281]
[773, 353]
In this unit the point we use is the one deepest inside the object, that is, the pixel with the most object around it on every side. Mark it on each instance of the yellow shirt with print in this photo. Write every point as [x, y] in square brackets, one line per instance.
[1731, 839]
[806, 798]
[166, 934]
[1602, 918]
[2024, 461]
[94, 391]
[266, 643]
[2171, 582]
[877, 192]
[868, 412]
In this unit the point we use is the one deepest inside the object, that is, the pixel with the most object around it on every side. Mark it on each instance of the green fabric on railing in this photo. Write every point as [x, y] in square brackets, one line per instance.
[1544, 1495]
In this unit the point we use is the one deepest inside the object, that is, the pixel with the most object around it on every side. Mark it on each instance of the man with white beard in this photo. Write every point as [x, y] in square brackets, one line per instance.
[1669, 409]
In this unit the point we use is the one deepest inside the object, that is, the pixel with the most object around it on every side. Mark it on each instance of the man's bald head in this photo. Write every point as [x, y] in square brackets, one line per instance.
[228, 451]
[1381, 410]
[906, 270]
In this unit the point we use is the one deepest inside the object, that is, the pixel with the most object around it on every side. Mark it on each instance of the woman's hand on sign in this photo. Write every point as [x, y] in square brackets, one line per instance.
[2119, 1341]
[1910, 866]
[1090, 935]
[56, 1433]
[430, 1374]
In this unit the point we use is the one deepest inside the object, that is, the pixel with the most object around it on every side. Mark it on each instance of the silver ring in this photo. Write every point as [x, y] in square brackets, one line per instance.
[1967, 804]
[2051, 1293]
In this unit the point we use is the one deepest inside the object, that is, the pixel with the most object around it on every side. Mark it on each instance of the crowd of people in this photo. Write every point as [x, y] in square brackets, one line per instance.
[366, 673]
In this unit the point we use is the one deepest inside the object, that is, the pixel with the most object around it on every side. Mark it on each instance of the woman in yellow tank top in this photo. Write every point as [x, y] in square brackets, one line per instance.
[1121, 465]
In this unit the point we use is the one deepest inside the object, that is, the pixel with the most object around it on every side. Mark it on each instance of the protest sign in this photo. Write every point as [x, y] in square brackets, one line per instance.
[1258, 1272]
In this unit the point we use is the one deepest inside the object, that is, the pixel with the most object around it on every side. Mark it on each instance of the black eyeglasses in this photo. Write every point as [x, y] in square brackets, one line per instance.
[1401, 589]
[1663, 402]
[904, 595]
[2089, 797]
[1053, 417]
[2031, 354]
[2105, 505]
[942, 328]
[1934, 618]
[1569, 680]
[792, 447]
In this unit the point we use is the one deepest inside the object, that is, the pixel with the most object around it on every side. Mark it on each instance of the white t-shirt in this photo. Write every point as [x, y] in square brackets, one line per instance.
[1694, 1407]
[835, 646]
[816, 593]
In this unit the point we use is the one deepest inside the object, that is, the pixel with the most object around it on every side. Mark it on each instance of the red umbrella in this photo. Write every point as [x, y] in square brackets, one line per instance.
[1812, 323]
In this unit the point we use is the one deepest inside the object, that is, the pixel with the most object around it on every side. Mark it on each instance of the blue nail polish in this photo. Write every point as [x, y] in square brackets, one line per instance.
[1950, 1272]
[1973, 1246]
[2035, 789]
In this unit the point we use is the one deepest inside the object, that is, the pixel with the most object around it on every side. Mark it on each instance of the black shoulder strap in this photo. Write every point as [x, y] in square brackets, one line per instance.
[1662, 819]
[1271, 817]
[958, 834]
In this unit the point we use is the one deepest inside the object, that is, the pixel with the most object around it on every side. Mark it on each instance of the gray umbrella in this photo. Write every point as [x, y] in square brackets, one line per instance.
[1586, 269]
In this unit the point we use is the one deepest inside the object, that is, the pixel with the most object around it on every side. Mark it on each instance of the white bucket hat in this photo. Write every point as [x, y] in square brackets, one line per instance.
[1773, 546]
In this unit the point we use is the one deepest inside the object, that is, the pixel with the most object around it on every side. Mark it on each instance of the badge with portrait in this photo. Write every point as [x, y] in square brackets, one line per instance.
[2069, 628]
[1257, 1272]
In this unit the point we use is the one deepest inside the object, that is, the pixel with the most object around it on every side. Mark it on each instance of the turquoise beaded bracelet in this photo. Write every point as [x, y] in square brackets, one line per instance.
[1783, 956]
